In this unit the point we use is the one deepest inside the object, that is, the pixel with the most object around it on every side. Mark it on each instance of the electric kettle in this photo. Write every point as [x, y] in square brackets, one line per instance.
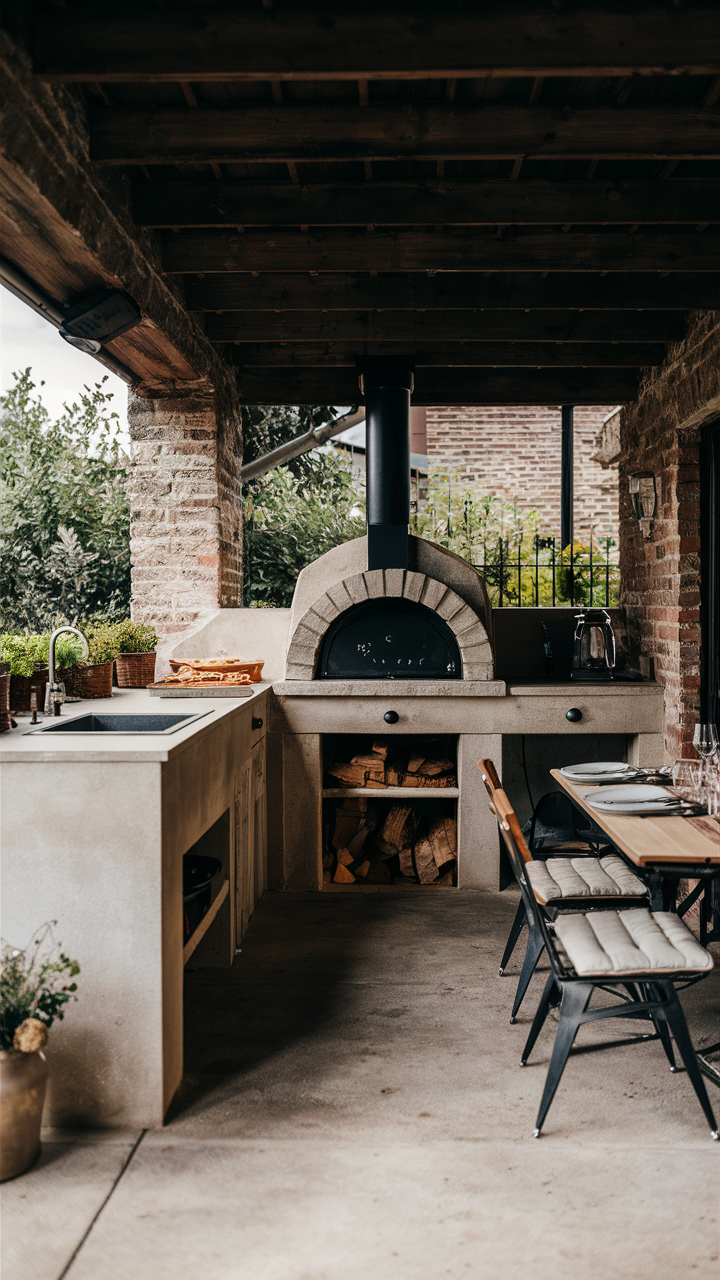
[593, 642]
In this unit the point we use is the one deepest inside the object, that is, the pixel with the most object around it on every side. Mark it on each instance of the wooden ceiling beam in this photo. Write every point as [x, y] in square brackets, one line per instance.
[282, 291]
[380, 250]
[445, 386]
[346, 131]
[448, 203]
[445, 326]
[492, 355]
[402, 39]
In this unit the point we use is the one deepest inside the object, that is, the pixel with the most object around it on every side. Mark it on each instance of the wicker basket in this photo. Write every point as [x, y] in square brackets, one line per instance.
[135, 670]
[5, 703]
[90, 682]
[20, 687]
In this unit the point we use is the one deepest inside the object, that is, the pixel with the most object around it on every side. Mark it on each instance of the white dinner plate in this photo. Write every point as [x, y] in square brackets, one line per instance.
[634, 798]
[602, 771]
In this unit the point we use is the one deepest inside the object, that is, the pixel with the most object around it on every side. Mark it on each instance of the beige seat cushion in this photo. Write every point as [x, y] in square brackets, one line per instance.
[606, 877]
[603, 943]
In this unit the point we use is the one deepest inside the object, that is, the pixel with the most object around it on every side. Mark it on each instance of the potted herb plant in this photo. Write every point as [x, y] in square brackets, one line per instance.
[35, 986]
[25, 658]
[93, 678]
[135, 663]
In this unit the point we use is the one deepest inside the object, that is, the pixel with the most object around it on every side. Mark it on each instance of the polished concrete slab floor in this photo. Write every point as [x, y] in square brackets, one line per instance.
[353, 1107]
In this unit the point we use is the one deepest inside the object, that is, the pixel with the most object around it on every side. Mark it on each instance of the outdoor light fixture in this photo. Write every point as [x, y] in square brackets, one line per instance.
[643, 496]
[89, 324]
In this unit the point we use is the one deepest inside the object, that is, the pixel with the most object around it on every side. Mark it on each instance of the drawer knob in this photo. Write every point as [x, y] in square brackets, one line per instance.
[391, 717]
[257, 722]
[574, 714]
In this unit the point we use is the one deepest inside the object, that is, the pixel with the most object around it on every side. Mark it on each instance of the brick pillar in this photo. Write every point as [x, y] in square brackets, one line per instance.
[660, 575]
[185, 506]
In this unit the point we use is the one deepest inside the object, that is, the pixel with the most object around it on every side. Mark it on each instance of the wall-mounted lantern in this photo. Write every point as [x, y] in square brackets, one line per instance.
[641, 487]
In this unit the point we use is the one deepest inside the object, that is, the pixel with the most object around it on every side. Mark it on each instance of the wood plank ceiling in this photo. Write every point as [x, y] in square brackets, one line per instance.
[522, 198]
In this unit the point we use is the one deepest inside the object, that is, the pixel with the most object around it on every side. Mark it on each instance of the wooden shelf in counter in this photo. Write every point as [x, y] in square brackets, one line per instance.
[196, 938]
[393, 793]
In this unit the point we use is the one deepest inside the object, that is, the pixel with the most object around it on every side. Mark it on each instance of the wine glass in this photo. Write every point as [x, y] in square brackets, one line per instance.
[705, 740]
[686, 778]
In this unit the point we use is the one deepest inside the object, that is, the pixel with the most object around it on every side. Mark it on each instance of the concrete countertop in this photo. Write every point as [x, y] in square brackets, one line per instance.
[22, 745]
[456, 688]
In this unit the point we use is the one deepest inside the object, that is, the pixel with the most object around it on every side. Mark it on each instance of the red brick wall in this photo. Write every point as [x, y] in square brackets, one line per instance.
[513, 452]
[660, 576]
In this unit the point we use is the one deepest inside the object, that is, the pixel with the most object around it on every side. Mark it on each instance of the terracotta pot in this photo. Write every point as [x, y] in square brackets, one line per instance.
[23, 1077]
[135, 670]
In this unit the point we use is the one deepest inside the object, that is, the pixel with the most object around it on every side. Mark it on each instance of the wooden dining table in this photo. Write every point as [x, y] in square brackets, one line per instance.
[656, 840]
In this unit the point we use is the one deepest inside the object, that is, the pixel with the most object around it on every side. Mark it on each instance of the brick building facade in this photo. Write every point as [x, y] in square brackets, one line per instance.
[513, 452]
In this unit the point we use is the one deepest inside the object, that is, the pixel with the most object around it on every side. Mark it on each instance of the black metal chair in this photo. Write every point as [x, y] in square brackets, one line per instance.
[554, 830]
[561, 884]
[580, 965]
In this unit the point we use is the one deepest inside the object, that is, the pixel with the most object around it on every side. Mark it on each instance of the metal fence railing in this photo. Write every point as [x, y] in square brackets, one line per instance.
[544, 573]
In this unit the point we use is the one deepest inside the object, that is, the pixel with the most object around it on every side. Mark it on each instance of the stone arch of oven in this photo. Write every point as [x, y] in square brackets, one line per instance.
[472, 638]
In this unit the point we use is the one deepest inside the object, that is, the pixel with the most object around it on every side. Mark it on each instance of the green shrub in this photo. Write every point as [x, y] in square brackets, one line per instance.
[25, 653]
[65, 511]
[135, 637]
[102, 641]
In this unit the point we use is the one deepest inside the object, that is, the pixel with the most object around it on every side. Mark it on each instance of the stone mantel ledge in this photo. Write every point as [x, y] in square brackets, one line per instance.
[390, 688]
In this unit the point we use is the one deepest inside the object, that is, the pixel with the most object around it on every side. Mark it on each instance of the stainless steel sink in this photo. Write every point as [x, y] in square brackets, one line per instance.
[121, 723]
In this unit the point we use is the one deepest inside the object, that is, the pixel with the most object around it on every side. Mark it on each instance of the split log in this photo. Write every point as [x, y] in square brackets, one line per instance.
[447, 879]
[422, 780]
[363, 869]
[346, 825]
[407, 866]
[345, 857]
[343, 876]
[355, 845]
[380, 747]
[414, 763]
[379, 873]
[355, 804]
[375, 783]
[394, 770]
[349, 775]
[398, 827]
[425, 865]
[431, 768]
[370, 760]
[380, 850]
[443, 841]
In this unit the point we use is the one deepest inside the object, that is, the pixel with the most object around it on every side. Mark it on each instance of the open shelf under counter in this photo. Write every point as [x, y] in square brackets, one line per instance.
[393, 793]
[198, 934]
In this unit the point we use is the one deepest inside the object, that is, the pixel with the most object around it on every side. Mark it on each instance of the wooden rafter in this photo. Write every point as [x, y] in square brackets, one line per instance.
[445, 386]
[341, 131]
[425, 204]
[408, 40]
[452, 291]
[491, 355]
[280, 250]
[445, 326]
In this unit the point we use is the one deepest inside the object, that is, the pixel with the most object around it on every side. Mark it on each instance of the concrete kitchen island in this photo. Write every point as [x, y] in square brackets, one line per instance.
[94, 829]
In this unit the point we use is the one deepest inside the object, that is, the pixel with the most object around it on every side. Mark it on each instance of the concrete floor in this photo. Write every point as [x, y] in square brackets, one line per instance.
[353, 1108]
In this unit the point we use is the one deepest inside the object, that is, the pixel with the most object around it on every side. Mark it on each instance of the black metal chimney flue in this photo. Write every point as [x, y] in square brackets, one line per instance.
[387, 425]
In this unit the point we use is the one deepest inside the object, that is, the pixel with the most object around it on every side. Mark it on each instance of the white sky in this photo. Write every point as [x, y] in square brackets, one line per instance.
[28, 339]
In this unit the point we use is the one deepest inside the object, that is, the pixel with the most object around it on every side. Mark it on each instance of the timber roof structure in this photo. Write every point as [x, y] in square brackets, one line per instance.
[521, 198]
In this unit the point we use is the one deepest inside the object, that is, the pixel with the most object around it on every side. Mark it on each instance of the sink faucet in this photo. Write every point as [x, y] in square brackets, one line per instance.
[55, 691]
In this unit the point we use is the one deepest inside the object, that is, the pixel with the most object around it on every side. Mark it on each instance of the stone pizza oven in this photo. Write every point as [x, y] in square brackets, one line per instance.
[437, 590]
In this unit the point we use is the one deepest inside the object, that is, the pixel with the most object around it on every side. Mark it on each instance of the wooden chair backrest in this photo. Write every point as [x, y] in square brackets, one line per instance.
[506, 817]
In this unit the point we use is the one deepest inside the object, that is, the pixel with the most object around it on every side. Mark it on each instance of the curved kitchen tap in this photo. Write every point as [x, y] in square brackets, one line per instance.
[54, 691]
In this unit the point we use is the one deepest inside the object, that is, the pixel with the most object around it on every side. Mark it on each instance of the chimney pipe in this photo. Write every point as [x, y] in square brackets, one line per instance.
[387, 425]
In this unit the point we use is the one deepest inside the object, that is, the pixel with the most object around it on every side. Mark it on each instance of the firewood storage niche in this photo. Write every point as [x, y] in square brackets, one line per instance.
[389, 810]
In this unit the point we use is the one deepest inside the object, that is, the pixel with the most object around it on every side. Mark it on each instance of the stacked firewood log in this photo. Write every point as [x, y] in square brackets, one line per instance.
[384, 767]
[371, 843]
